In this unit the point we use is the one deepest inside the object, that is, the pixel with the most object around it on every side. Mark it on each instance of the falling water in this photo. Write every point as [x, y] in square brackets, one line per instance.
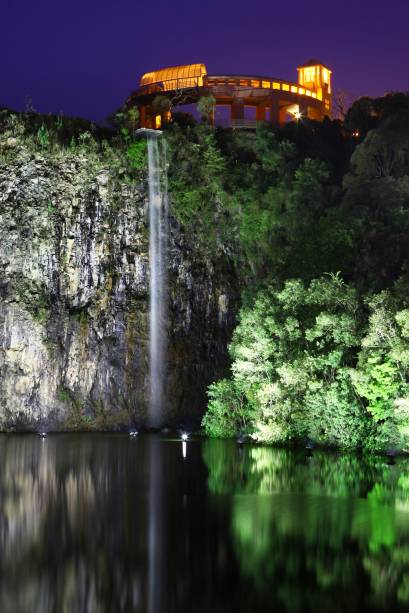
[158, 231]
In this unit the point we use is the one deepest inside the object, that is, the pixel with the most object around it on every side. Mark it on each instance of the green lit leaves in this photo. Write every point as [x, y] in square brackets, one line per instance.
[136, 154]
[377, 382]
[228, 412]
[43, 137]
[292, 352]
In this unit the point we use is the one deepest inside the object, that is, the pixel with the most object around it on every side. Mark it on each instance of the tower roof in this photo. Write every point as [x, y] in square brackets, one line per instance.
[312, 62]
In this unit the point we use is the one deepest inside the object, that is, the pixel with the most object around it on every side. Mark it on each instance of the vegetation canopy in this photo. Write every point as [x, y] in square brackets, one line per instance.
[315, 218]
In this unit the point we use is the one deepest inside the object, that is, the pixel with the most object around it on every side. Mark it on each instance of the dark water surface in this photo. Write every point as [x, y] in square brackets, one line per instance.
[104, 523]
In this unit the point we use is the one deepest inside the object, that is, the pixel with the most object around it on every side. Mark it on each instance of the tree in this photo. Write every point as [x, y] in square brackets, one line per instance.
[341, 102]
[125, 120]
[205, 107]
[292, 353]
[161, 104]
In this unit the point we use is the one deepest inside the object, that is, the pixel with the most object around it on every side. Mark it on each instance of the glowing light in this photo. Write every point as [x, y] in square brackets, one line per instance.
[315, 77]
[308, 75]
[297, 115]
[42, 434]
[133, 433]
[184, 449]
[185, 436]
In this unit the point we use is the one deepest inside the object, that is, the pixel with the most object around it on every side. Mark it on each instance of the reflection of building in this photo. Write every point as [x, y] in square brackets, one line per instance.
[262, 98]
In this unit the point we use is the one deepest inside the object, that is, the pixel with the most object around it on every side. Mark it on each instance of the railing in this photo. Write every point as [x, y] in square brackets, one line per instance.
[247, 124]
[262, 83]
[224, 84]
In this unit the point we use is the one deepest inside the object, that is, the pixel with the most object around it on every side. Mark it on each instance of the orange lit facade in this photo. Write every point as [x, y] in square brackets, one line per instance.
[247, 99]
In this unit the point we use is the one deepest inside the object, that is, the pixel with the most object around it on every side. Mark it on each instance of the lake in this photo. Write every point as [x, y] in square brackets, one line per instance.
[98, 523]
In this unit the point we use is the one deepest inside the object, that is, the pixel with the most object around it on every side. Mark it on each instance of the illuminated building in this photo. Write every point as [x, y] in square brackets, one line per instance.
[264, 98]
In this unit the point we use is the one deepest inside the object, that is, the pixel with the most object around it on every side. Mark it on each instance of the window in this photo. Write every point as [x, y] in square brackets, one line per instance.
[308, 74]
[158, 122]
[286, 87]
[254, 83]
[326, 78]
[265, 84]
[276, 85]
[294, 89]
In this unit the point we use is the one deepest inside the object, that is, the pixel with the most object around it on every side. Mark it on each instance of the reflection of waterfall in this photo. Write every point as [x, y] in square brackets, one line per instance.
[155, 536]
[158, 214]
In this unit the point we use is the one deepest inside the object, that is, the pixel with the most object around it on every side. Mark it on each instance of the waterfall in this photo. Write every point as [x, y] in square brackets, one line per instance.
[158, 232]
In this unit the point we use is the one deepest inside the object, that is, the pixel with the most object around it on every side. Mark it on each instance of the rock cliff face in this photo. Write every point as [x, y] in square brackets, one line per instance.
[74, 281]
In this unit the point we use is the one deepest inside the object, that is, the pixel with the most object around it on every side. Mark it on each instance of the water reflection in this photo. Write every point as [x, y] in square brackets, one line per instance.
[98, 524]
[330, 532]
[103, 523]
[155, 539]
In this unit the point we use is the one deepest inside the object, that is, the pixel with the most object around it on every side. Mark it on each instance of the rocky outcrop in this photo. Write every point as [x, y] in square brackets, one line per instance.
[74, 281]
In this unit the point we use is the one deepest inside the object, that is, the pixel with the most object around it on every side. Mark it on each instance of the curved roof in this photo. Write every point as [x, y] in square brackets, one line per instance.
[190, 73]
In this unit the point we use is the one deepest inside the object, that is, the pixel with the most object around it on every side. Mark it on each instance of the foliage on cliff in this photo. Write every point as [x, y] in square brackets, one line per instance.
[257, 196]
[56, 137]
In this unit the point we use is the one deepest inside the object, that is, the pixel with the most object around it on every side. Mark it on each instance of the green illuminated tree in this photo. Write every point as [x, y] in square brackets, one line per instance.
[292, 352]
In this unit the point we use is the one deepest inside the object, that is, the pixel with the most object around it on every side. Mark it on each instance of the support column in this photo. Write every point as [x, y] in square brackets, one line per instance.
[237, 111]
[304, 110]
[260, 113]
[166, 117]
[275, 112]
[282, 113]
[142, 116]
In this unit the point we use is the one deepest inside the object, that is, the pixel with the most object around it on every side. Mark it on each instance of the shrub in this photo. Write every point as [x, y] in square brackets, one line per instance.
[136, 154]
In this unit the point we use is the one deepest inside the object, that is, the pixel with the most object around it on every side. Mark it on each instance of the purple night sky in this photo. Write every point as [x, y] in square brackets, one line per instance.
[83, 57]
